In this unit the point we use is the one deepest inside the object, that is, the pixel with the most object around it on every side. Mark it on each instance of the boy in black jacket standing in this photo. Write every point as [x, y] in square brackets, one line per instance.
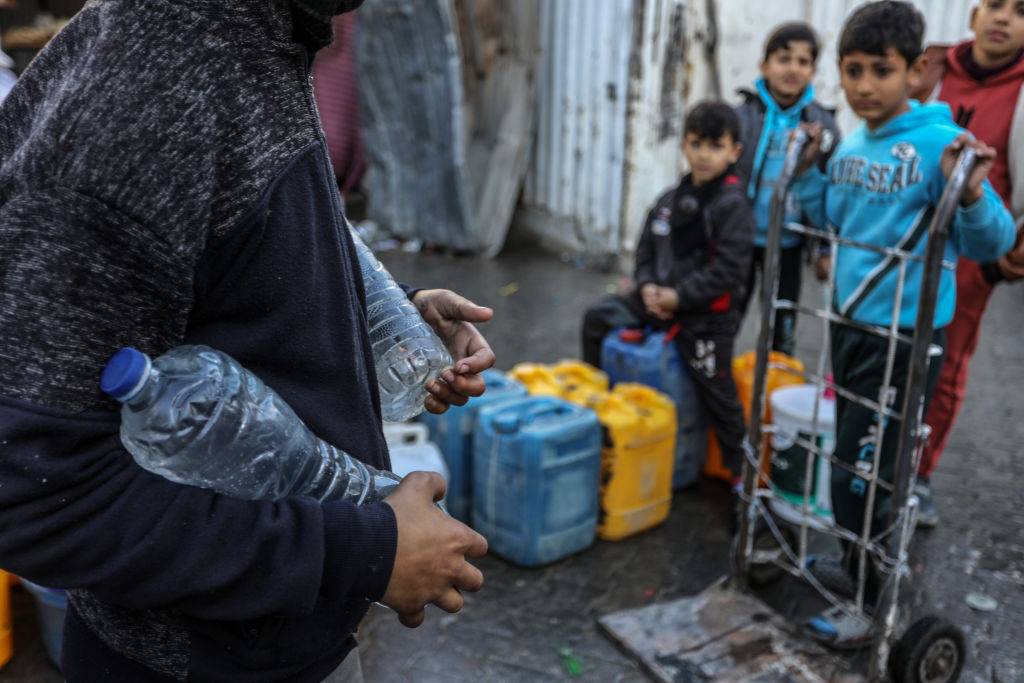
[691, 265]
[782, 98]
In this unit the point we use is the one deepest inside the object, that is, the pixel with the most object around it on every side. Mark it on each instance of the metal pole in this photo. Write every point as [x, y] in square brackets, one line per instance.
[769, 289]
[913, 400]
[924, 326]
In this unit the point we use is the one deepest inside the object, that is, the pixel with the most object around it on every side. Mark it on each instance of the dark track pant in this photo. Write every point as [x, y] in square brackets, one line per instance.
[858, 363]
[707, 357]
[790, 270]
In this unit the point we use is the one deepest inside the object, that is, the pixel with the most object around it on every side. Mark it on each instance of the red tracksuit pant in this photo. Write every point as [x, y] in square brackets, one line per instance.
[972, 294]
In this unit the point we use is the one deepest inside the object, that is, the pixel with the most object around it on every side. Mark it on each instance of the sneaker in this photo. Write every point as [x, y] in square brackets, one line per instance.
[830, 571]
[841, 629]
[927, 515]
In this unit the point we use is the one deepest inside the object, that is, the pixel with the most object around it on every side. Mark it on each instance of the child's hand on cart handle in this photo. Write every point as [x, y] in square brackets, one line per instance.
[986, 157]
[817, 143]
[822, 266]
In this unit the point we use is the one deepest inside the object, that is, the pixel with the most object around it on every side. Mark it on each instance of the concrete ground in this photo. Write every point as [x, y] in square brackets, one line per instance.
[539, 624]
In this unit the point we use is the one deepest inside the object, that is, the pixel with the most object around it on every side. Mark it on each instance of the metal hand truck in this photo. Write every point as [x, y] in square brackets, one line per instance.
[726, 634]
[931, 649]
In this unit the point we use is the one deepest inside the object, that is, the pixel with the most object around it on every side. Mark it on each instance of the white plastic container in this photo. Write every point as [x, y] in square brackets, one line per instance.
[793, 416]
[412, 450]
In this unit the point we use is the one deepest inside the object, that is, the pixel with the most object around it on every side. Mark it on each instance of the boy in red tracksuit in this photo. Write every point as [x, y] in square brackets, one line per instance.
[981, 81]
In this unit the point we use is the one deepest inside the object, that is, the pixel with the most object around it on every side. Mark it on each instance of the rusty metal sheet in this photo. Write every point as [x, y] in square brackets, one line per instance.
[447, 107]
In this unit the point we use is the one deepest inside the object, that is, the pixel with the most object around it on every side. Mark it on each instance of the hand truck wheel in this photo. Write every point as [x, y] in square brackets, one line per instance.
[932, 650]
[761, 571]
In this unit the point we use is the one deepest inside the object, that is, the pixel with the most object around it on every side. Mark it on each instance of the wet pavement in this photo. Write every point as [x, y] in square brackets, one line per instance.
[540, 624]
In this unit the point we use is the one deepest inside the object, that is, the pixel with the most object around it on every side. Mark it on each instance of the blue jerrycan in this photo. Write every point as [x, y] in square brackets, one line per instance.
[452, 431]
[536, 472]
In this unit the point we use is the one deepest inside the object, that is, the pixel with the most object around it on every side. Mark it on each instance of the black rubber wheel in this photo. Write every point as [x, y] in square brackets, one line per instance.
[762, 572]
[932, 650]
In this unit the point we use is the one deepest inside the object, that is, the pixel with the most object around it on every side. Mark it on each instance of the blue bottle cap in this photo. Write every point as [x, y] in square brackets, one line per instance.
[124, 374]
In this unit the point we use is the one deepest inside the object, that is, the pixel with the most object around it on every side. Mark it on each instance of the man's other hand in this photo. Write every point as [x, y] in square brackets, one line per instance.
[452, 317]
[430, 561]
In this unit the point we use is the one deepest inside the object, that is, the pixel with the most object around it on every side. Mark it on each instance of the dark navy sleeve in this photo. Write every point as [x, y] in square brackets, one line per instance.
[78, 512]
[75, 509]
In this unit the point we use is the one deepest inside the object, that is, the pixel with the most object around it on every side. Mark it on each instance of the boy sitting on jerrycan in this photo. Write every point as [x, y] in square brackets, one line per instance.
[692, 262]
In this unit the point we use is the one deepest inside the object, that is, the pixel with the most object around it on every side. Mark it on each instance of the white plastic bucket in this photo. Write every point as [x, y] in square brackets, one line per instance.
[793, 416]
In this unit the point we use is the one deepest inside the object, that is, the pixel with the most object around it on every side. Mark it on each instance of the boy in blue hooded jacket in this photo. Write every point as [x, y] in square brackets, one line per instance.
[784, 98]
[882, 186]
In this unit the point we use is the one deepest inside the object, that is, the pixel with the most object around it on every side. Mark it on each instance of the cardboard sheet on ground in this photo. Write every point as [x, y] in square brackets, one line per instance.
[723, 635]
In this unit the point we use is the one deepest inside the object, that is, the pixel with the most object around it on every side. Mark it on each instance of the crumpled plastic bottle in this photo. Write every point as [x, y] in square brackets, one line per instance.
[407, 352]
[196, 416]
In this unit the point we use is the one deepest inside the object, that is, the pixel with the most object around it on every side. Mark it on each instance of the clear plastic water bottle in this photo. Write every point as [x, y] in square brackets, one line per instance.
[407, 353]
[196, 416]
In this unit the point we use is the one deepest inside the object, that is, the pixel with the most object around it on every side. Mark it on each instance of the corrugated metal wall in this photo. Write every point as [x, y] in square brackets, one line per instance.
[654, 123]
[573, 191]
[447, 108]
[606, 125]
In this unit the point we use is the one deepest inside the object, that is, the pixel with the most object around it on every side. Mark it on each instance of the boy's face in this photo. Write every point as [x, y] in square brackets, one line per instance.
[787, 71]
[876, 86]
[998, 27]
[708, 158]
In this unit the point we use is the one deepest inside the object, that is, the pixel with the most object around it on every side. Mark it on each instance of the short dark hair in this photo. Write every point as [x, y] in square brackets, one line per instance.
[794, 31]
[876, 26]
[711, 120]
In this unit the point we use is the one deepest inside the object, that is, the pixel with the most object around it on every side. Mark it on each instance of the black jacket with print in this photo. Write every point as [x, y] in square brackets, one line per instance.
[699, 241]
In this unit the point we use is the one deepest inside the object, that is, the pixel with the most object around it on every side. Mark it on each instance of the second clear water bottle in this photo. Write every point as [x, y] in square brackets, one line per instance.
[407, 352]
[196, 416]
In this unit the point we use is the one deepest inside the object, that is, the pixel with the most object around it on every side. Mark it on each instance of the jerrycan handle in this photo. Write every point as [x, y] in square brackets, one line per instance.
[573, 376]
[639, 396]
[405, 433]
[544, 410]
[499, 381]
[510, 422]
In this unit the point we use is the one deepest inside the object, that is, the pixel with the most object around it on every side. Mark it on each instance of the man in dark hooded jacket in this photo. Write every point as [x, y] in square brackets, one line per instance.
[164, 181]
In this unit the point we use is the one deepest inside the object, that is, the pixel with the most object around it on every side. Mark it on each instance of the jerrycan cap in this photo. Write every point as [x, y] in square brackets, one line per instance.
[828, 393]
[631, 335]
[506, 424]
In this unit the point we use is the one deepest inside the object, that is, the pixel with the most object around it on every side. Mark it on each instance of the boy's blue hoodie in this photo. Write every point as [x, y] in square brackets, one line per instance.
[882, 188]
[769, 157]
